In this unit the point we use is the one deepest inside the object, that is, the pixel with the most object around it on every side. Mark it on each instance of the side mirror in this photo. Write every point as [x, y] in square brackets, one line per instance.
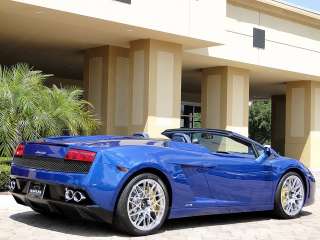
[267, 151]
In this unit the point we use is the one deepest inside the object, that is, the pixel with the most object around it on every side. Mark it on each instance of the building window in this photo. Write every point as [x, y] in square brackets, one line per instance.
[190, 115]
[259, 38]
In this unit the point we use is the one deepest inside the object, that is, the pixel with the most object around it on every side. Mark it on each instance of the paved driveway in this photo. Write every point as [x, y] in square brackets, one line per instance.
[19, 222]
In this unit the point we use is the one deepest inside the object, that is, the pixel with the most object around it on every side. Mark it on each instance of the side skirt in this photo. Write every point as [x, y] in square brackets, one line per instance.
[190, 212]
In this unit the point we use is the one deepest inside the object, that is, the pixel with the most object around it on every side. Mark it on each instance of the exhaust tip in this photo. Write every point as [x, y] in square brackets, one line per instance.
[78, 196]
[12, 185]
[72, 195]
[69, 194]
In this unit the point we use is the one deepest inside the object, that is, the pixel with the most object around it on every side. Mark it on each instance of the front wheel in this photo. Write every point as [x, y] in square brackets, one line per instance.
[143, 205]
[290, 196]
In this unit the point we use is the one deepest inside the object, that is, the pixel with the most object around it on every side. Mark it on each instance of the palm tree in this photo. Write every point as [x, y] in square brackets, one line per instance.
[29, 110]
[260, 121]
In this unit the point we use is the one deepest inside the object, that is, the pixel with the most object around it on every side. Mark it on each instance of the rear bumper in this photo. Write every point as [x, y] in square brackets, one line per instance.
[53, 202]
[102, 183]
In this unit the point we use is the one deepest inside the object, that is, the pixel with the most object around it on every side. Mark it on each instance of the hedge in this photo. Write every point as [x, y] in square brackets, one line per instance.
[4, 173]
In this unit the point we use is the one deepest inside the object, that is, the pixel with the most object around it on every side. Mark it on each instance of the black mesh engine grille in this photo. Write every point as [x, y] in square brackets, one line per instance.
[53, 164]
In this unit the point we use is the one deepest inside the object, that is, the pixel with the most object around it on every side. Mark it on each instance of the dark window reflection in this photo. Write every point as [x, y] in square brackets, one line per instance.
[190, 116]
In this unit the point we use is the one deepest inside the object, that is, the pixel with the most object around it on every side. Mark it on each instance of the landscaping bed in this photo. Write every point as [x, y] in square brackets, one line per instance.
[4, 173]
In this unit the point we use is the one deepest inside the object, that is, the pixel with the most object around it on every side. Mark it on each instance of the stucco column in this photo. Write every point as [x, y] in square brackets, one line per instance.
[225, 99]
[278, 123]
[106, 83]
[155, 75]
[303, 122]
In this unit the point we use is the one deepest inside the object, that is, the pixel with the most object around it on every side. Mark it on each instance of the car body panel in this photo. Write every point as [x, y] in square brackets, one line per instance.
[201, 182]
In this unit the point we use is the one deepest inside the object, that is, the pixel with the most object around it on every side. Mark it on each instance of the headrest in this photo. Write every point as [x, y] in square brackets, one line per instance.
[141, 135]
[181, 137]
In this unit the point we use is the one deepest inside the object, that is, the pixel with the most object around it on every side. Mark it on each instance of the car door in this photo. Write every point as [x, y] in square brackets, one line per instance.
[234, 176]
[191, 184]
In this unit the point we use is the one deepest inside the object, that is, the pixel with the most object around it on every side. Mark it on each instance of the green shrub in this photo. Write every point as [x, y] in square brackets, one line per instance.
[260, 121]
[29, 110]
[4, 176]
[5, 160]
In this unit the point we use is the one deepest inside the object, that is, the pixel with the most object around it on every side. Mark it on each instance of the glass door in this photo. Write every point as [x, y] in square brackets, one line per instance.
[190, 115]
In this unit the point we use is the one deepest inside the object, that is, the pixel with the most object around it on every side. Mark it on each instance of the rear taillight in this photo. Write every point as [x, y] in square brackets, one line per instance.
[80, 155]
[19, 150]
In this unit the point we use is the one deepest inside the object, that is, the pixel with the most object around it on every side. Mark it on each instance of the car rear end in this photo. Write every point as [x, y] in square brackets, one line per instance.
[53, 177]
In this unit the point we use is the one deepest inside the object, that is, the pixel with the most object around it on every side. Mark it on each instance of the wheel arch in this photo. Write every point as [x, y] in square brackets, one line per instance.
[154, 171]
[301, 174]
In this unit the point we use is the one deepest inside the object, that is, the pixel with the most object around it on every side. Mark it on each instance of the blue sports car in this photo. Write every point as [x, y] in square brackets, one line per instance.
[136, 183]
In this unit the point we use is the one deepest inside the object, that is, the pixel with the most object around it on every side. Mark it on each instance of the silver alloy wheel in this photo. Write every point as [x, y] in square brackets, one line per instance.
[292, 195]
[146, 204]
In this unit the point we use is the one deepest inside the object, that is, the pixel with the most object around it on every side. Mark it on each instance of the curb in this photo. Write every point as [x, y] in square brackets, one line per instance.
[4, 193]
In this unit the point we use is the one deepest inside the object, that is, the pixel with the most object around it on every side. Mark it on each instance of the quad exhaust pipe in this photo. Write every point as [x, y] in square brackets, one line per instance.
[68, 194]
[12, 185]
[76, 196]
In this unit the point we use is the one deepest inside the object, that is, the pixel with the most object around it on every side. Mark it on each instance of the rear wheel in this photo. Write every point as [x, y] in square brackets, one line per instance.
[143, 205]
[290, 196]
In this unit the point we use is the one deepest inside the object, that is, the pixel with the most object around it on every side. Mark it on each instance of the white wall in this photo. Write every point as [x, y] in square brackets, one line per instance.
[290, 46]
[189, 18]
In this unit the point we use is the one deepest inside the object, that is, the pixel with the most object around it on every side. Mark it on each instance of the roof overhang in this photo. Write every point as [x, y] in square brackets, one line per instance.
[22, 23]
[284, 10]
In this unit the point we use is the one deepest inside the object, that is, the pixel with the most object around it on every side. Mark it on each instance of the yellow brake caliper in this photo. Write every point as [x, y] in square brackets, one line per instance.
[154, 202]
[284, 194]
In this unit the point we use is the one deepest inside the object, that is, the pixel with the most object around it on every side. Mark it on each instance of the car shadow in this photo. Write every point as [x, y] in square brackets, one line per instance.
[66, 225]
[222, 219]
[96, 229]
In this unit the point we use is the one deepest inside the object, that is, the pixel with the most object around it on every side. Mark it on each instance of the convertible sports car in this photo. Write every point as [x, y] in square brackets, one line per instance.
[136, 182]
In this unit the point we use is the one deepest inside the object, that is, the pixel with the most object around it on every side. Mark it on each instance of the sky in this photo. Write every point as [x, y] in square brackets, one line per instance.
[309, 4]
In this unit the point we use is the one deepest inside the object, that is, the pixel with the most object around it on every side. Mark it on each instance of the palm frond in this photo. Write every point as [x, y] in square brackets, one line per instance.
[30, 110]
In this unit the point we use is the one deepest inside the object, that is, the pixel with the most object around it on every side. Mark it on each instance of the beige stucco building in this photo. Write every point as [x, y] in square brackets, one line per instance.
[149, 65]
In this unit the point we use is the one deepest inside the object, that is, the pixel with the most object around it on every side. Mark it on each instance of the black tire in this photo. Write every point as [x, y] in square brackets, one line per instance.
[122, 221]
[278, 209]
